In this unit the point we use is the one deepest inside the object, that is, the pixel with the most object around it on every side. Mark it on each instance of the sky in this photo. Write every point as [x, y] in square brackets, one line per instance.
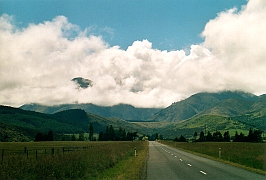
[147, 53]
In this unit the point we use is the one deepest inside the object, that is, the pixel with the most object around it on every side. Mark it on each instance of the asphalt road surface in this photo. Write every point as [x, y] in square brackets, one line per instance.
[167, 163]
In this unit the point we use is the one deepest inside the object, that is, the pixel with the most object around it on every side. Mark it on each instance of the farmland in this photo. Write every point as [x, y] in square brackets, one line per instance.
[250, 156]
[69, 160]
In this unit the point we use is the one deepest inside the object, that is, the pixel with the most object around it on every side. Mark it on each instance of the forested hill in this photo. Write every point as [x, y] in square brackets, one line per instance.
[226, 104]
[122, 111]
[22, 125]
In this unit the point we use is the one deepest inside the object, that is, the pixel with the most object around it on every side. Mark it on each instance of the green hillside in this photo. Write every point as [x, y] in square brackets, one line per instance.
[225, 111]
[21, 125]
[225, 104]
[122, 111]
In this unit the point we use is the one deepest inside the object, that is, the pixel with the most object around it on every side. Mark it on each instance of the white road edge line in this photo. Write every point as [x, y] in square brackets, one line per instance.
[203, 172]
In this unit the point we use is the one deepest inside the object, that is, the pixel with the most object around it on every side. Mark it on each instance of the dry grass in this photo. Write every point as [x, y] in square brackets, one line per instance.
[82, 164]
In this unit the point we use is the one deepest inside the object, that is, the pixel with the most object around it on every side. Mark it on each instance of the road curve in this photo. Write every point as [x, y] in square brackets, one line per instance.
[166, 163]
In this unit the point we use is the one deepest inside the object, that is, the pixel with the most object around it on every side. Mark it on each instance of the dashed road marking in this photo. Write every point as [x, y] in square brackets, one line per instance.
[203, 172]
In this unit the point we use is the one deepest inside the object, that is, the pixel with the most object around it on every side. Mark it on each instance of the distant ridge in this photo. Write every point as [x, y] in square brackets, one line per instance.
[122, 111]
[225, 104]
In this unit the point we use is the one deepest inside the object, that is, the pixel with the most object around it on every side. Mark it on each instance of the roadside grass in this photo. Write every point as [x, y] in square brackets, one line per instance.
[86, 163]
[251, 156]
[129, 168]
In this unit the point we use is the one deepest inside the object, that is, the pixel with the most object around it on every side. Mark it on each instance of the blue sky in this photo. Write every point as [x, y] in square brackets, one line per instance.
[169, 25]
[144, 53]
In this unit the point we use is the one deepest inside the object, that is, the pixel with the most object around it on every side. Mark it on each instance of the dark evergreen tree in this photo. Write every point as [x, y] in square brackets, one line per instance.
[111, 133]
[50, 136]
[236, 139]
[101, 136]
[81, 136]
[209, 136]
[182, 139]
[195, 135]
[226, 136]
[257, 135]
[107, 134]
[202, 137]
[217, 136]
[156, 136]
[91, 131]
[176, 139]
[119, 134]
[39, 137]
[124, 135]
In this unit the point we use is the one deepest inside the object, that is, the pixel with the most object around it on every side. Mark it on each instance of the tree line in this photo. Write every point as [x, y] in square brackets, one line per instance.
[254, 135]
[120, 134]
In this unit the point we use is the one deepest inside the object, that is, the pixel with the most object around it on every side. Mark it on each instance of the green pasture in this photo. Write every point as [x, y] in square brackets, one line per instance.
[84, 160]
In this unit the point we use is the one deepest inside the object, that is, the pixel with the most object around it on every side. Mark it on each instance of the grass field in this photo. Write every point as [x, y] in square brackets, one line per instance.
[251, 156]
[86, 160]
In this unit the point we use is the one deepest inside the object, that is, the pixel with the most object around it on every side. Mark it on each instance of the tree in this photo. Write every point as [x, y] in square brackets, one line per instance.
[63, 137]
[39, 137]
[254, 135]
[111, 133]
[107, 134]
[73, 137]
[50, 136]
[217, 136]
[195, 135]
[101, 136]
[226, 136]
[44, 137]
[156, 136]
[176, 139]
[182, 139]
[257, 135]
[119, 134]
[91, 131]
[124, 135]
[202, 137]
[81, 136]
[209, 136]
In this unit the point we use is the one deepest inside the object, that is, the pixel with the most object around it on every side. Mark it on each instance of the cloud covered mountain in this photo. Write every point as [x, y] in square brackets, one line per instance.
[224, 104]
[38, 62]
[122, 111]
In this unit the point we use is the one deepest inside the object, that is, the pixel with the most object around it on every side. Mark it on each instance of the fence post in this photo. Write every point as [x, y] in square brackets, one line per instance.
[220, 151]
[25, 150]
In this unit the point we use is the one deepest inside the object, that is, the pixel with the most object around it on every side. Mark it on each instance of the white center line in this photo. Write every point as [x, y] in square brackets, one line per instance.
[203, 172]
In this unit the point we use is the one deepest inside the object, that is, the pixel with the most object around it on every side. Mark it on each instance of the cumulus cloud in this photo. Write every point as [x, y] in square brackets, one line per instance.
[38, 63]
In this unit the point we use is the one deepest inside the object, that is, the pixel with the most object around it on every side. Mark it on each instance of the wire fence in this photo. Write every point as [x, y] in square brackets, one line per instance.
[35, 152]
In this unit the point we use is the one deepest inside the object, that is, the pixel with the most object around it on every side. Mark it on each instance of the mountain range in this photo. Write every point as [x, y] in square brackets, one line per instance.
[122, 111]
[233, 111]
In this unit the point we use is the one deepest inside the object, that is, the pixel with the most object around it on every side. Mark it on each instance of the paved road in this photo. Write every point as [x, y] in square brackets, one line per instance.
[166, 163]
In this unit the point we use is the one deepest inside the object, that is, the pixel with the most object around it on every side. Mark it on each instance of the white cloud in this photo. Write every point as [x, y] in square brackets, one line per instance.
[39, 61]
